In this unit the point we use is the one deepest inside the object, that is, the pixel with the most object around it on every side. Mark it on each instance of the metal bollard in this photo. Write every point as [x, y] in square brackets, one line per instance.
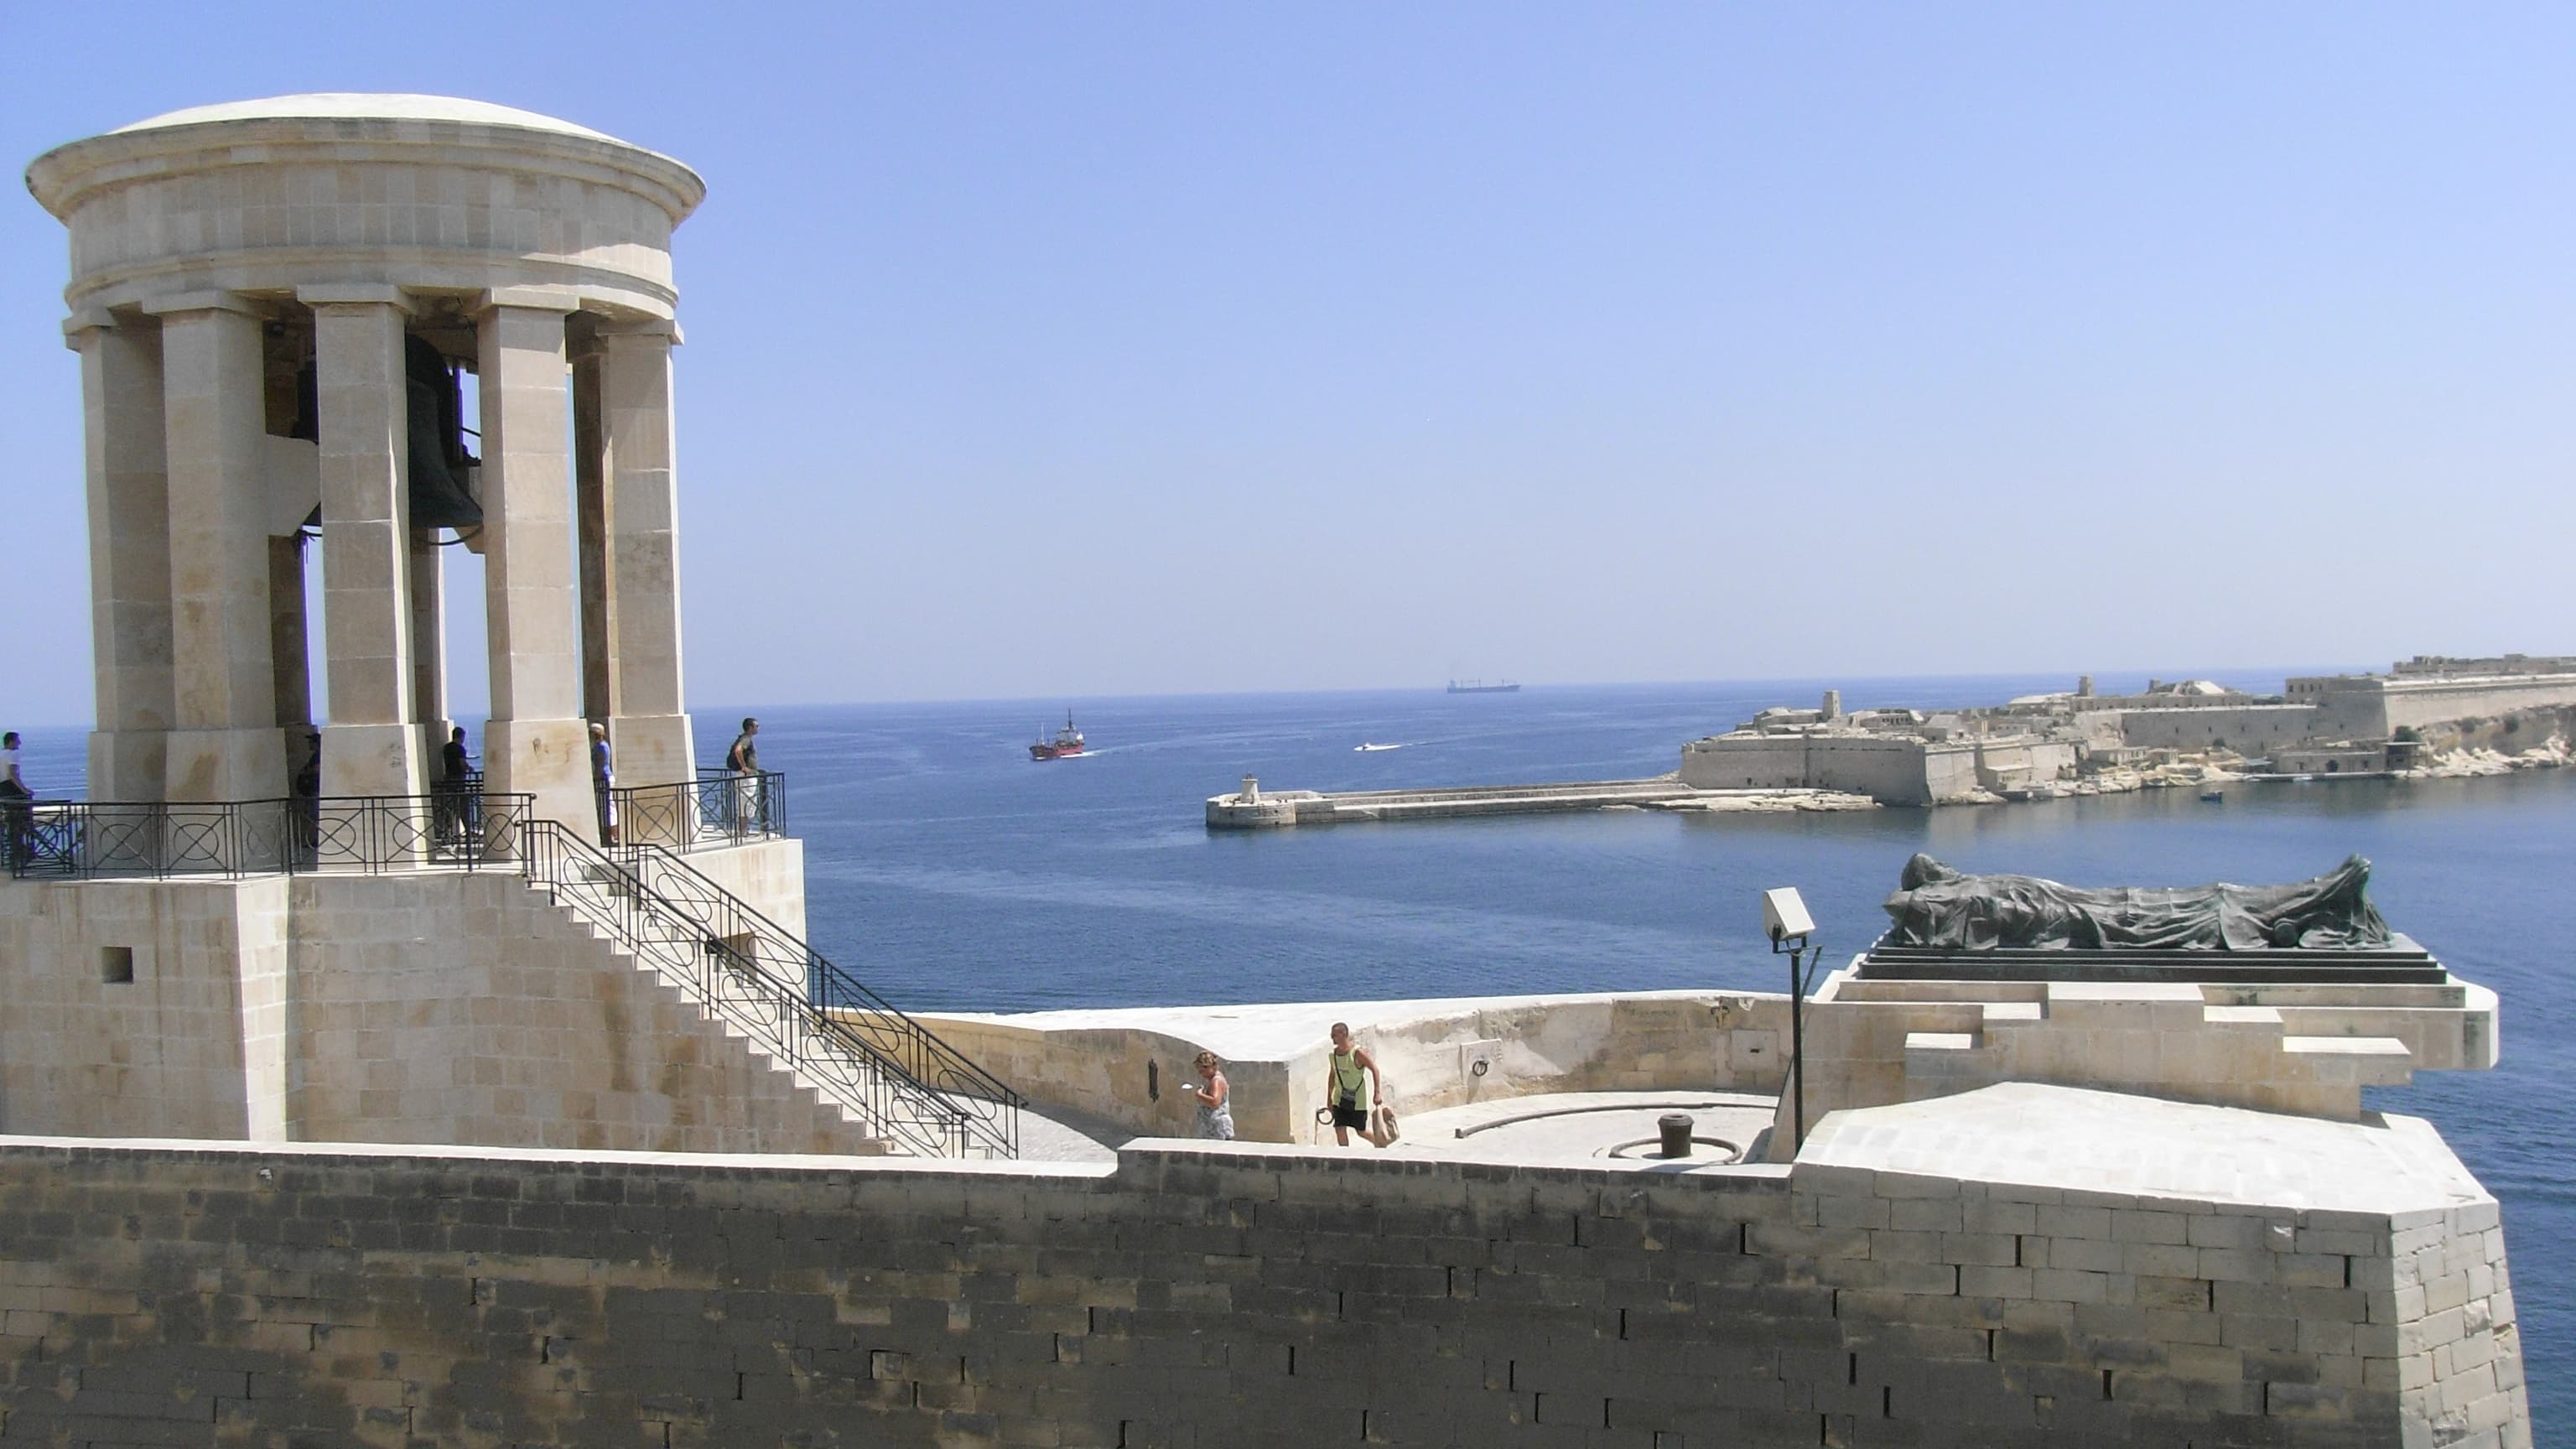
[1677, 1133]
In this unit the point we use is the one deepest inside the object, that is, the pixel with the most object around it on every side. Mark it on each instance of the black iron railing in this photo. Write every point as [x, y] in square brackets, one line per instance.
[903, 1083]
[717, 808]
[81, 838]
[368, 834]
[387, 832]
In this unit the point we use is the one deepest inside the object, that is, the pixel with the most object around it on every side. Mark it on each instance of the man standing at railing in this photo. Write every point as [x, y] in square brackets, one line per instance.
[453, 791]
[307, 788]
[603, 783]
[13, 790]
[744, 760]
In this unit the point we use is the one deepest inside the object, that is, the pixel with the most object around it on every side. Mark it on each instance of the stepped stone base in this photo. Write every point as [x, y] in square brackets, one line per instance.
[418, 1007]
[2303, 1047]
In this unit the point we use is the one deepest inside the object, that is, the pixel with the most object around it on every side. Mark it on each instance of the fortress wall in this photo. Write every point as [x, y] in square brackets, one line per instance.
[2421, 702]
[431, 1007]
[2514, 733]
[1894, 770]
[191, 1046]
[2023, 761]
[1222, 1295]
[1685, 1041]
[2249, 729]
[1752, 762]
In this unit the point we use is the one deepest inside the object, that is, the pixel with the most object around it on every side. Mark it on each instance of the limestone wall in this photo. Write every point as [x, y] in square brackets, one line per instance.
[2024, 761]
[430, 1006]
[2365, 707]
[1098, 1061]
[1240, 1295]
[1894, 770]
[485, 1015]
[2248, 729]
[138, 1008]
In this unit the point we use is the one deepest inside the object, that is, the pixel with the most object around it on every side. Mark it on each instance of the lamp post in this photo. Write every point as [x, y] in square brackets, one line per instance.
[1786, 922]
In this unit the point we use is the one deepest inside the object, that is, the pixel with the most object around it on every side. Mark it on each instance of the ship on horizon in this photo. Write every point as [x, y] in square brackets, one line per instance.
[1478, 686]
[1067, 741]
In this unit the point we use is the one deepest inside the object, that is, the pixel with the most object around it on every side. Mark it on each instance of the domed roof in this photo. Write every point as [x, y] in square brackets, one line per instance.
[358, 106]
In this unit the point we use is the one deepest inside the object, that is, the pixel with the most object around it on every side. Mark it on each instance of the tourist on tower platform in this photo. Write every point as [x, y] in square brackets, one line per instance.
[452, 794]
[13, 789]
[1216, 1111]
[1350, 1068]
[603, 784]
[307, 788]
[744, 761]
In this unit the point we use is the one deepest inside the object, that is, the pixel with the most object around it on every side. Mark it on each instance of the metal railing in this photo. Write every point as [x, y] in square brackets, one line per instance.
[717, 808]
[366, 834]
[903, 1083]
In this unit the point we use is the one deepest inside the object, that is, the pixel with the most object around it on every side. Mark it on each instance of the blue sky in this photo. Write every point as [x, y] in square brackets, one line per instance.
[1082, 350]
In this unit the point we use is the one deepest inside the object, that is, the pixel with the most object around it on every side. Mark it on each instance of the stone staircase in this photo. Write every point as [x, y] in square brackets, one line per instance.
[2161, 1038]
[890, 1083]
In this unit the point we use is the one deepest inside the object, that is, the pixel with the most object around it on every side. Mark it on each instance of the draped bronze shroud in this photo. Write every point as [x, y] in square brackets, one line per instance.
[1939, 907]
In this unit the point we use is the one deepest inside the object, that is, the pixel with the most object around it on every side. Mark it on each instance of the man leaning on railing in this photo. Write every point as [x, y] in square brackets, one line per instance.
[455, 797]
[14, 791]
[744, 761]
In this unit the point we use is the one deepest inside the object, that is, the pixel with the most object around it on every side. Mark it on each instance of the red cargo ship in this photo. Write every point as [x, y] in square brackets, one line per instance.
[1067, 741]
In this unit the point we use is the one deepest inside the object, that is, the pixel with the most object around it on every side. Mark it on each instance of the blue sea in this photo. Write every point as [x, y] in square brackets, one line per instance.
[950, 872]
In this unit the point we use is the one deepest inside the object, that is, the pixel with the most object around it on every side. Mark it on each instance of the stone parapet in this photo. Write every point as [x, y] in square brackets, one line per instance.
[1927, 1278]
[1127, 1065]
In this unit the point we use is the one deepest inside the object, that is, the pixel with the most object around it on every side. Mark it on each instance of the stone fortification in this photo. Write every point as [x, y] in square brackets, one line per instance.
[2025, 1266]
[2174, 733]
[435, 1007]
[1124, 1066]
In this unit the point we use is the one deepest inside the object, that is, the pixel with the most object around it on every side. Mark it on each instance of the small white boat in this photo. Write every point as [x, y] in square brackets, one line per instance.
[1371, 749]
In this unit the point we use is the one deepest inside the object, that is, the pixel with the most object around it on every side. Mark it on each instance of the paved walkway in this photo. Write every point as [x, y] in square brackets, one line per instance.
[1570, 1127]
[1555, 1127]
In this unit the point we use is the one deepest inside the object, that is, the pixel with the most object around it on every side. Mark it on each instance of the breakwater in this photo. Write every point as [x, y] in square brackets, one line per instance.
[1253, 808]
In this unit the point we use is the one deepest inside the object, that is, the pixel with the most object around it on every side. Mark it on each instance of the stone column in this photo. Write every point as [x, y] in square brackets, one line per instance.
[371, 746]
[429, 646]
[592, 507]
[224, 743]
[289, 653]
[537, 743]
[654, 744]
[129, 552]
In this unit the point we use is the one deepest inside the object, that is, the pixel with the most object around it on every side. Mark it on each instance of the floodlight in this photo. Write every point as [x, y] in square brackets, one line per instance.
[1784, 915]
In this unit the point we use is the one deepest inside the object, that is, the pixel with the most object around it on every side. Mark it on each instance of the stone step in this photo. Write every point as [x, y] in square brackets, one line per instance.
[2369, 1061]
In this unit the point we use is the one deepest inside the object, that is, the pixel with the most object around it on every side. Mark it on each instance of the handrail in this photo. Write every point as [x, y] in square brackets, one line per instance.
[370, 834]
[718, 807]
[761, 980]
[992, 1106]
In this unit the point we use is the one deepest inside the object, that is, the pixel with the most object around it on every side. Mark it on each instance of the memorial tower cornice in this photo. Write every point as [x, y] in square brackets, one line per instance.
[452, 195]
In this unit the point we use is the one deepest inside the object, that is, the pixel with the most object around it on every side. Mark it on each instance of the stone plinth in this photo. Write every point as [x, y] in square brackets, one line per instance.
[2282, 1046]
